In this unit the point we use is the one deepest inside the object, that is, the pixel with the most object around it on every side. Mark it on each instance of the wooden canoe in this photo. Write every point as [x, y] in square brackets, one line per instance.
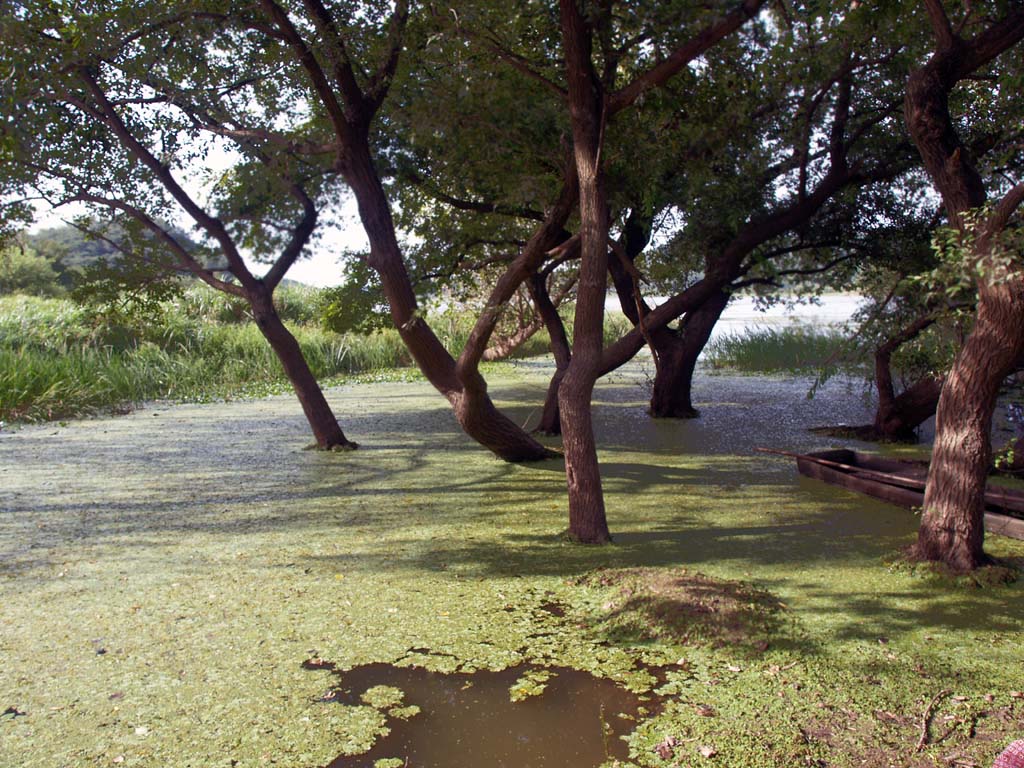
[902, 483]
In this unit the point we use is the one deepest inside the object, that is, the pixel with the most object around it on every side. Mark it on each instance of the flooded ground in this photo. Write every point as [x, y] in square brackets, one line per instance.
[164, 575]
[561, 717]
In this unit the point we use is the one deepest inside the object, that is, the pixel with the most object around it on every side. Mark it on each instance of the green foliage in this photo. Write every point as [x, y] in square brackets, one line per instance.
[355, 305]
[22, 270]
[969, 253]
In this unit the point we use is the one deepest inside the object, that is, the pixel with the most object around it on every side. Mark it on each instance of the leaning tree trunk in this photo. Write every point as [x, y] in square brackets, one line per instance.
[952, 524]
[897, 418]
[326, 429]
[677, 360]
[472, 406]
[550, 420]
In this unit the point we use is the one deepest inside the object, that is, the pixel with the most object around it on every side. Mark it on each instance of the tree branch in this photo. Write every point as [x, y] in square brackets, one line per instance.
[474, 205]
[941, 27]
[185, 258]
[379, 84]
[682, 56]
[344, 75]
[109, 117]
[1005, 208]
[522, 64]
[305, 56]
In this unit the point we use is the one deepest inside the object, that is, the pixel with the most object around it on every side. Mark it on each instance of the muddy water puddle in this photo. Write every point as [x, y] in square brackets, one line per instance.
[466, 720]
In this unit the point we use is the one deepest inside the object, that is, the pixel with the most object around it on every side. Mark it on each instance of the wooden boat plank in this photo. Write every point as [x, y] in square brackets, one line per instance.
[866, 474]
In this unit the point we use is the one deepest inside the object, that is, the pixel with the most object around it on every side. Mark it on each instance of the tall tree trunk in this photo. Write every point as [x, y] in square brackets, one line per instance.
[952, 528]
[677, 360]
[952, 524]
[472, 406]
[587, 521]
[550, 420]
[326, 429]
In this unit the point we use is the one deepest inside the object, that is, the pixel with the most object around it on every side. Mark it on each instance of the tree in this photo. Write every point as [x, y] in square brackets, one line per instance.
[114, 108]
[593, 100]
[323, 45]
[785, 201]
[22, 270]
[952, 523]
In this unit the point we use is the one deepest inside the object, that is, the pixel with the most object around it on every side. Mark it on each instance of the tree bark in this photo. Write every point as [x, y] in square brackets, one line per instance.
[472, 406]
[326, 430]
[587, 520]
[897, 418]
[677, 360]
[501, 348]
[952, 524]
[350, 108]
[550, 420]
[952, 528]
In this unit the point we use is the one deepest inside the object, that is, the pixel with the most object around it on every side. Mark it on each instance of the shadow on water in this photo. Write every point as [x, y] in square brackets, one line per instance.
[467, 720]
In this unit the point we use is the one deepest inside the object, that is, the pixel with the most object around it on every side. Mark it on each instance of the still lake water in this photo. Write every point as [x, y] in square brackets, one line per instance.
[744, 314]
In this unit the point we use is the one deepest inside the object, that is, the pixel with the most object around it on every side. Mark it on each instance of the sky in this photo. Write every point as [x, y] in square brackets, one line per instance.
[337, 232]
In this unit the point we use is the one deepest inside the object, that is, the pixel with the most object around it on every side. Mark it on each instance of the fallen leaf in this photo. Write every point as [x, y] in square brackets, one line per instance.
[707, 751]
[665, 750]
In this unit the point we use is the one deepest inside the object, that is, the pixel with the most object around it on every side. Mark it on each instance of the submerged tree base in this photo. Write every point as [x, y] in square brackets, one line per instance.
[336, 447]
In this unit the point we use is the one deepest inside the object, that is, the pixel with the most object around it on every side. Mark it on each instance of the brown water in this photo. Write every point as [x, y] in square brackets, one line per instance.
[469, 720]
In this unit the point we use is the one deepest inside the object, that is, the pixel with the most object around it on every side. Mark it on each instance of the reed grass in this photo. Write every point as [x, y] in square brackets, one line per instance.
[59, 359]
[794, 349]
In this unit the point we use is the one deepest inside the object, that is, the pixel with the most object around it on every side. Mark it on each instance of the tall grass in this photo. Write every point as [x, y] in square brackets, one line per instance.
[58, 359]
[774, 350]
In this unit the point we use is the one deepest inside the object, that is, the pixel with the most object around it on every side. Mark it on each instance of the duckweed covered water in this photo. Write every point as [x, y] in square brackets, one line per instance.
[207, 556]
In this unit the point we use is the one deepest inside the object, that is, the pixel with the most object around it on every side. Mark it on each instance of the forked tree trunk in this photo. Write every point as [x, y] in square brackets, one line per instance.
[326, 430]
[677, 360]
[472, 406]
